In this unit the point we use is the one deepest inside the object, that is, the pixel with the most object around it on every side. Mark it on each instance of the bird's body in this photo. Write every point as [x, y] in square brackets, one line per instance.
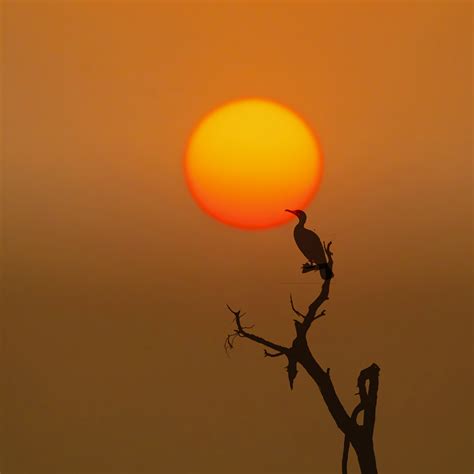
[309, 244]
[311, 247]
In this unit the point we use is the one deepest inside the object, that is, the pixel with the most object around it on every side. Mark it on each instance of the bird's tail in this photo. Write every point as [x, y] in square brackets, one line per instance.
[308, 267]
[324, 270]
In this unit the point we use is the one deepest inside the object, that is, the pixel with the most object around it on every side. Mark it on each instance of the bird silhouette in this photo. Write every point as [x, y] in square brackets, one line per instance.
[311, 247]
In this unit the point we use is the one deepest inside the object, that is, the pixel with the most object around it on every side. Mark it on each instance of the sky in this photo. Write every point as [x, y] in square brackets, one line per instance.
[115, 283]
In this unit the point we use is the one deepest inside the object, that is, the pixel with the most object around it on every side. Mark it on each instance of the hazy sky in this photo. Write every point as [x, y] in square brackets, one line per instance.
[115, 282]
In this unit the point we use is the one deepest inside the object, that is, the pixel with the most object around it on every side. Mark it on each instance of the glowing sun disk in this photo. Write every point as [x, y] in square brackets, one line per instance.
[249, 160]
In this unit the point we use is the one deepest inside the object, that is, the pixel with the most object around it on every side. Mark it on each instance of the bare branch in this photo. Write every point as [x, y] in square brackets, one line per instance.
[294, 309]
[320, 315]
[347, 438]
[367, 404]
[271, 354]
[248, 327]
[314, 306]
[327, 249]
[241, 331]
[292, 370]
[326, 387]
[229, 343]
[368, 397]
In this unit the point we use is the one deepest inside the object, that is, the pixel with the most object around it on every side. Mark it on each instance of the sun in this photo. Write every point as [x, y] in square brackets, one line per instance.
[249, 160]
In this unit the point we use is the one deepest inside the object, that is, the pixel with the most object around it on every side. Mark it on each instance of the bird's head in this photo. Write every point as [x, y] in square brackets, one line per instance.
[301, 215]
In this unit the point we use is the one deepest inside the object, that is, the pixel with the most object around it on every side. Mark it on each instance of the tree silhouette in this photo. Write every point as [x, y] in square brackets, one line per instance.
[360, 436]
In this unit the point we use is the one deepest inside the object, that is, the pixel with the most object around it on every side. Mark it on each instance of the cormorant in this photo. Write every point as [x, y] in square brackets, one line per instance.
[311, 247]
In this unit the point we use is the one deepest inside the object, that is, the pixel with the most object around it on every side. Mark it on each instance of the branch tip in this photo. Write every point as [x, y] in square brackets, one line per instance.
[272, 354]
[294, 309]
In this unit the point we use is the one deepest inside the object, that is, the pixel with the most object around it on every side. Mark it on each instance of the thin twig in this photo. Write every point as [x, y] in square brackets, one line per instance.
[270, 354]
[294, 309]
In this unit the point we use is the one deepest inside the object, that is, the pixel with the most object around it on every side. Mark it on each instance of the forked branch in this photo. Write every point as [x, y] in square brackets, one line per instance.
[368, 405]
[242, 331]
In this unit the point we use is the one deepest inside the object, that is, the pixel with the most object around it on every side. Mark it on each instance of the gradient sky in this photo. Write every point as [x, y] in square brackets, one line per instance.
[115, 283]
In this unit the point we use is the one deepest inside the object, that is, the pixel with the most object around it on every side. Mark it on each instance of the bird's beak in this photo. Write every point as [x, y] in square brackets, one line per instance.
[289, 210]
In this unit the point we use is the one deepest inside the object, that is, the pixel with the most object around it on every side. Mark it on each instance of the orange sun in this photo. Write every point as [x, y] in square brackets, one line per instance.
[249, 160]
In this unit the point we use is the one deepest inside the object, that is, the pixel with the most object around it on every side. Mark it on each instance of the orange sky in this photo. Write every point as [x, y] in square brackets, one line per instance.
[115, 282]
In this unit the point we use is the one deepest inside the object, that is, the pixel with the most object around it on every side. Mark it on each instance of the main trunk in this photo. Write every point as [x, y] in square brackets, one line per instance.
[366, 456]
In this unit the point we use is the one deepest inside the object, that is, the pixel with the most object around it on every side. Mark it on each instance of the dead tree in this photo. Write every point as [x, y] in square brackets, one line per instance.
[359, 435]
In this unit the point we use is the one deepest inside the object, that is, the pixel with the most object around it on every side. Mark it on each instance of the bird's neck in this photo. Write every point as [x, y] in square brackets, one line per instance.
[301, 223]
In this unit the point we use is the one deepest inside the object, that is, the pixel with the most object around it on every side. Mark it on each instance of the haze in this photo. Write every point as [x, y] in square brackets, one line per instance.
[115, 282]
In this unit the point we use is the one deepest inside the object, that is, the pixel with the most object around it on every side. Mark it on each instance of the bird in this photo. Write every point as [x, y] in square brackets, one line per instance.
[311, 247]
